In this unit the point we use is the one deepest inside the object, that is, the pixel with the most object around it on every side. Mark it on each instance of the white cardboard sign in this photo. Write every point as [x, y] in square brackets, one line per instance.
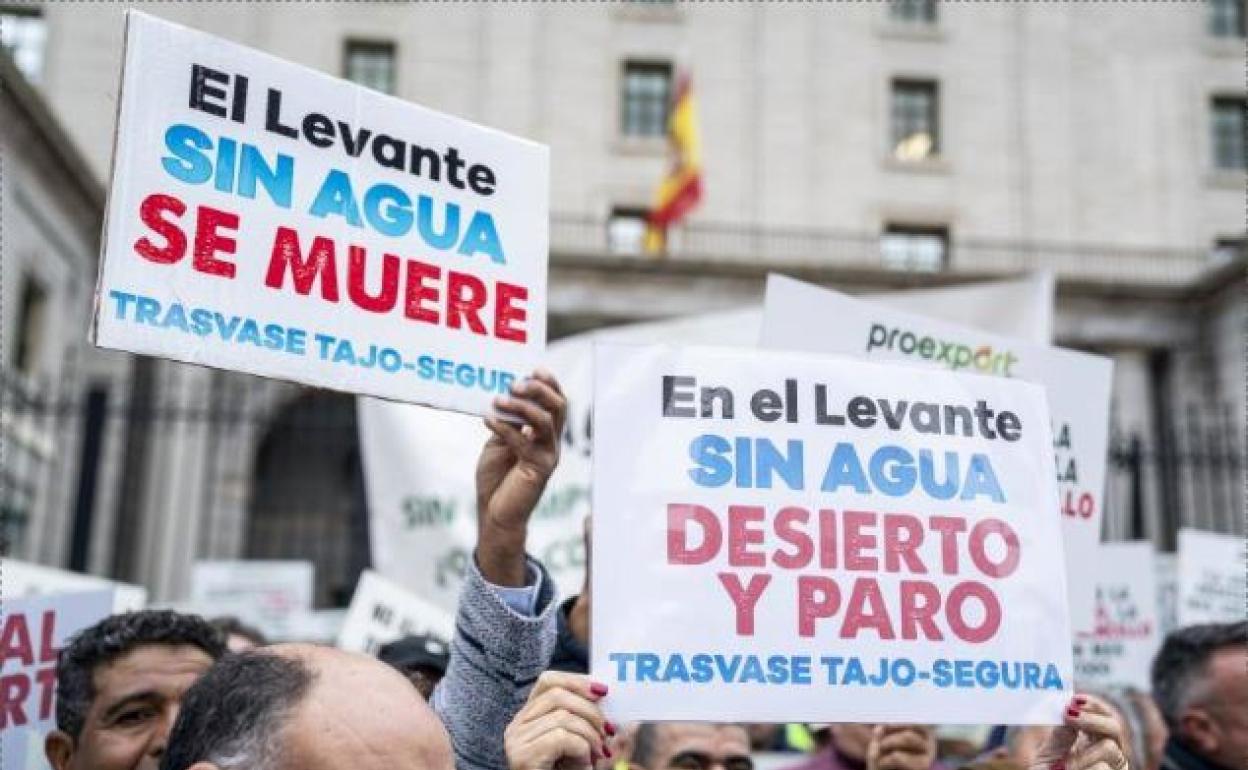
[26, 579]
[32, 631]
[1213, 577]
[1117, 649]
[783, 537]
[799, 316]
[263, 593]
[270, 219]
[382, 611]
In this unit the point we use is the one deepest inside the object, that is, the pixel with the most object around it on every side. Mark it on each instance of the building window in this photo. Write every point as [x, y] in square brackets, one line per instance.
[1230, 122]
[23, 34]
[370, 64]
[626, 230]
[913, 11]
[1226, 18]
[1226, 250]
[915, 118]
[921, 249]
[646, 99]
[31, 312]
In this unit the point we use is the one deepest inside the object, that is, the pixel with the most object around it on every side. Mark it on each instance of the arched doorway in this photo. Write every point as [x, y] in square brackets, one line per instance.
[308, 498]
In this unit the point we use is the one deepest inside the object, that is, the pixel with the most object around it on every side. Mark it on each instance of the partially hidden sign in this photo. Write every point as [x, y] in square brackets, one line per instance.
[382, 611]
[268, 218]
[799, 316]
[783, 537]
[32, 630]
[1117, 649]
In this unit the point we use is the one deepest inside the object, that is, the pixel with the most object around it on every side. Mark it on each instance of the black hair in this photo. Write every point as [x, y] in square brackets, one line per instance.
[231, 717]
[1182, 660]
[229, 626]
[111, 638]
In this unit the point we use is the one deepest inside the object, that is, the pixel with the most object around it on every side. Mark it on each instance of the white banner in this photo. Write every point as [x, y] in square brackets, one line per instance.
[265, 594]
[32, 631]
[782, 537]
[1117, 649]
[271, 219]
[382, 611]
[1213, 577]
[799, 316]
[24, 579]
[421, 493]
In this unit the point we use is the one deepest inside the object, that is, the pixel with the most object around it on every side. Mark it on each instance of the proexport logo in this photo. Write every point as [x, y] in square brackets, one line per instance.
[954, 355]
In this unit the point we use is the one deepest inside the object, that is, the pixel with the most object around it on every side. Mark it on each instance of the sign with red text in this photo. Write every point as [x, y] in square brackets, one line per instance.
[1213, 577]
[799, 316]
[32, 631]
[1117, 649]
[785, 538]
[270, 219]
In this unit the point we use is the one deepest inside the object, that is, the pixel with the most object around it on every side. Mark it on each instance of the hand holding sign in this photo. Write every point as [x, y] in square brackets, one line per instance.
[512, 471]
[1090, 738]
[560, 727]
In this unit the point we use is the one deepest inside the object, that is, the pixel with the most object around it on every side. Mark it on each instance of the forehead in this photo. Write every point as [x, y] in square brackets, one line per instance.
[721, 740]
[1228, 668]
[168, 669]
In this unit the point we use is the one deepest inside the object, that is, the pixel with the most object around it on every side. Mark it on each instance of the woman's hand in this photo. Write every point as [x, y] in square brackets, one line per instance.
[1090, 739]
[561, 726]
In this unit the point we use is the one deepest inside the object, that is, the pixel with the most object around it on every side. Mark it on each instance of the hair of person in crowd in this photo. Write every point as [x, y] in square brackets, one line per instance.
[239, 637]
[235, 712]
[1200, 684]
[422, 659]
[691, 745]
[111, 638]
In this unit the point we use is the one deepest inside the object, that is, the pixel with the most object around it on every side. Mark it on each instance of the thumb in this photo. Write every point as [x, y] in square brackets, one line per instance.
[1052, 753]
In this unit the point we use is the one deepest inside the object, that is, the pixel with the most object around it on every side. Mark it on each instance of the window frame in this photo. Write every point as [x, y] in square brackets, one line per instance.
[627, 212]
[1238, 30]
[1215, 146]
[27, 12]
[927, 15]
[352, 45]
[916, 230]
[627, 66]
[932, 87]
[32, 325]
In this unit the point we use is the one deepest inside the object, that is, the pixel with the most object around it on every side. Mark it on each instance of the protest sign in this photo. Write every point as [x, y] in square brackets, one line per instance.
[382, 611]
[799, 316]
[24, 579]
[1167, 592]
[266, 594]
[783, 537]
[1117, 649]
[32, 630]
[270, 219]
[422, 498]
[1213, 577]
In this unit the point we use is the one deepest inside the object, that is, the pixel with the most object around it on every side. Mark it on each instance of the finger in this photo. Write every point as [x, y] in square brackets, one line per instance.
[547, 377]
[532, 415]
[1105, 751]
[544, 395]
[507, 433]
[566, 721]
[564, 700]
[550, 749]
[1093, 716]
[577, 683]
[1056, 746]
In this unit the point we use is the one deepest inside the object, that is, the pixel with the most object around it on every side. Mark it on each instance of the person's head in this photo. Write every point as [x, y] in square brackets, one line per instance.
[1200, 683]
[687, 746]
[119, 685]
[298, 707]
[422, 659]
[239, 637]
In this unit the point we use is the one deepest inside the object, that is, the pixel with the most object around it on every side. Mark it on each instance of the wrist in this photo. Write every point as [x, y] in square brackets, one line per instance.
[501, 559]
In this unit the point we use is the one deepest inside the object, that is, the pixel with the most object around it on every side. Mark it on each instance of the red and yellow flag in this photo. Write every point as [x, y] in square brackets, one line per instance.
[681, 189]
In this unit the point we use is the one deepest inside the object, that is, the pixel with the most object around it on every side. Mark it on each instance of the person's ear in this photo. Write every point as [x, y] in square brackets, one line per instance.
[1200, 730]
[58, 747]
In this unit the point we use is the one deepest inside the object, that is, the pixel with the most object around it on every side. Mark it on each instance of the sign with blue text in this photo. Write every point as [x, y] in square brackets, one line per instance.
[784, 537]
[799, 316]
[270, 219]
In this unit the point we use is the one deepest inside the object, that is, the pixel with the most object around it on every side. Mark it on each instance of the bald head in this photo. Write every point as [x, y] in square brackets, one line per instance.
[312, 708]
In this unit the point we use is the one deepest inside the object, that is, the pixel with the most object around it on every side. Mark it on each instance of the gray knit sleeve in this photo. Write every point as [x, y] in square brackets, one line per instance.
[496, 656]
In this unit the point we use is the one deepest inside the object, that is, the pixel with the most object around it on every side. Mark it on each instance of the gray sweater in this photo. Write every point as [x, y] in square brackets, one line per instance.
[496, 656]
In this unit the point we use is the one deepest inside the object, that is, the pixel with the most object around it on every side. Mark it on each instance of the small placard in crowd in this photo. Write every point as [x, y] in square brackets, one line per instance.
[382, 611]
[1117, 649]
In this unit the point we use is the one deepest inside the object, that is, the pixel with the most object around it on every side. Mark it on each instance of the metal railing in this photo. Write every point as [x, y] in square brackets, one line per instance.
[807, 248]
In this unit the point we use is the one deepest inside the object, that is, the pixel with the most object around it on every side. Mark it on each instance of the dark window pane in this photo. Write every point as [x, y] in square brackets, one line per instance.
[646, 99]
[1226, 18]
[30, 320]
[925, 249]
[371, 65]
[1229, 123]
[914, 120]
[920, 11]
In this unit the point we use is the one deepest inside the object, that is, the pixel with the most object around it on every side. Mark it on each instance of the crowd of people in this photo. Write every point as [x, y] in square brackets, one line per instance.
[160, 690]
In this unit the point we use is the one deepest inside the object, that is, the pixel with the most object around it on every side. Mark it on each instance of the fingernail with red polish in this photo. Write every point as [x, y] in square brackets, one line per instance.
[1074, 712]
[1081, 699]
[598, 689]
[606, 751]
[610, 728]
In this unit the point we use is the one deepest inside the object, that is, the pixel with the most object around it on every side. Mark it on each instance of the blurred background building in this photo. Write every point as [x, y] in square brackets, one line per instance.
[865, 146]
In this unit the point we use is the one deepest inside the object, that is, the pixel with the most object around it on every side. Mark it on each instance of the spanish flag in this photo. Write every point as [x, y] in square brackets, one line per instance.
[681, 189]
